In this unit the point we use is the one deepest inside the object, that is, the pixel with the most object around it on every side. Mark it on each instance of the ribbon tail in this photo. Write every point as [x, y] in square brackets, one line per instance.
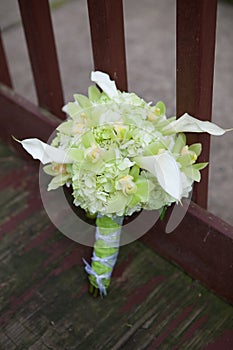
[98, 278]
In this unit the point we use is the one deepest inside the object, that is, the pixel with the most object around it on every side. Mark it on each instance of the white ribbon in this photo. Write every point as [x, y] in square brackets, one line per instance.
[108, 261]
[112, 240]
[98, 278]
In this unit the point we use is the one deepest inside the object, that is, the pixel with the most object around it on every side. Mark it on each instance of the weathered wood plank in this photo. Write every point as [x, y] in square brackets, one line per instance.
[108, 41]
[38, 30]
[44, 299]
[196, 24]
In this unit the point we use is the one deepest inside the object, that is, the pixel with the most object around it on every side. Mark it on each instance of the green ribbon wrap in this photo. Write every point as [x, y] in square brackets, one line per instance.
[105, 252]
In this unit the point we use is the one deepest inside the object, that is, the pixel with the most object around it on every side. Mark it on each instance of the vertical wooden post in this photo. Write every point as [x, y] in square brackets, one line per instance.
[108, 42]
[42, 51]
[196, 24]
[4, 71]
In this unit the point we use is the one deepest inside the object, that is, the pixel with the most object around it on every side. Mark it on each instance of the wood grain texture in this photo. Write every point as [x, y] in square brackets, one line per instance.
[108, 41]
[196, 27]
[44, 299]
[38, 30]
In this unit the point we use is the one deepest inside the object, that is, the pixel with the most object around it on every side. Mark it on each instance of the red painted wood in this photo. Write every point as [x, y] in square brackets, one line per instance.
[202, 245]
[42, 51]
[196, 24]
[23, 119]
[224, 341]
[174, 324]
[108, 43]
[4, 71]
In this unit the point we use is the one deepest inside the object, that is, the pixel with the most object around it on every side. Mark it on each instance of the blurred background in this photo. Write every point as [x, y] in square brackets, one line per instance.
[150, 48]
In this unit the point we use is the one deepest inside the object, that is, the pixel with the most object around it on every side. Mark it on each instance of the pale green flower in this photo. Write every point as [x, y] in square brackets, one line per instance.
[120, 153]
[93, 153]
[126, 184]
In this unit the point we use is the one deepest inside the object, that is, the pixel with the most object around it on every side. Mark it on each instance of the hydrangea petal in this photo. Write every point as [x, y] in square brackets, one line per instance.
[104, 82]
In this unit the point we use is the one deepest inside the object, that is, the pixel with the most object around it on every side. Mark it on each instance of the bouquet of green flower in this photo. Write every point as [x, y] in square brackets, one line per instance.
[120, 155]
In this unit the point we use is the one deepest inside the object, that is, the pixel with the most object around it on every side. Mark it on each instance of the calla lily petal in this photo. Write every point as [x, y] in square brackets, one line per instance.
[44, 152]
[186, 123]
[104, 82]
[165, 168]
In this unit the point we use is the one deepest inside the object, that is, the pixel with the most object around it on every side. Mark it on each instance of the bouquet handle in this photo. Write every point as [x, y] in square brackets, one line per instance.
[106, 248]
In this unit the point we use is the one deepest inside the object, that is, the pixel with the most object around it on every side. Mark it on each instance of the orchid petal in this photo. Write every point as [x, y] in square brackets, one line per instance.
[160, 108]
[94, 93]
[196, 148]
[104, 82]
[200, 166]
[82, 100]
[186, 123]
[179, 143]
[166, 170]
[116, 203]
[44, 152]
[58, 181]
[73, 109]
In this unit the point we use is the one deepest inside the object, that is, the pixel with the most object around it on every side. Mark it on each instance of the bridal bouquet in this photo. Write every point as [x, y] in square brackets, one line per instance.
[120, 155]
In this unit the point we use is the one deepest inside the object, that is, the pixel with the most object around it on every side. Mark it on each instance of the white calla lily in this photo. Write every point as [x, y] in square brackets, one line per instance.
[44, 152]
[166, 170]
[187, 123]
[104, 82]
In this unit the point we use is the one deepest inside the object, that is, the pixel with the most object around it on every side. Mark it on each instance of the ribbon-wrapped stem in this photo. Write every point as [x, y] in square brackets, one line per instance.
[105, 253]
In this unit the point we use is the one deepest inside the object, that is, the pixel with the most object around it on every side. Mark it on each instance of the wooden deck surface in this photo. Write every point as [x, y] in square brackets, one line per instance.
[44, 291]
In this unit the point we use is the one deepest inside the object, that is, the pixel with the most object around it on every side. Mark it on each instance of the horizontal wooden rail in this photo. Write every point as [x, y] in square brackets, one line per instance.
[196, 24]
[202, 245]
[23, 119]
[42, 51]
[108, 42]
[4, 70]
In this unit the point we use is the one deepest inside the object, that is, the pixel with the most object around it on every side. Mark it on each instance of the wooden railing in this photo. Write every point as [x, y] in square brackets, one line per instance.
[196, 22]
[38, 30]
[108, 40]
[196, 27]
